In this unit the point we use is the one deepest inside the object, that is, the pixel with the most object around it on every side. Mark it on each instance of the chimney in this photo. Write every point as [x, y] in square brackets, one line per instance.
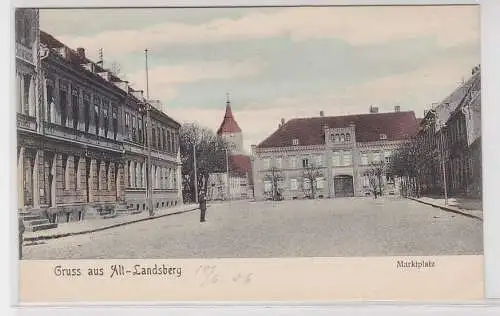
[321, 113]
[138, 94]
[397, 108]
[81, 52]
[282, 121]
[373, 109]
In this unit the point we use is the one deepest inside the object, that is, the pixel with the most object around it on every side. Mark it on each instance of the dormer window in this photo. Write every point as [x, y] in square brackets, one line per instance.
[383, 136]
[295, 141]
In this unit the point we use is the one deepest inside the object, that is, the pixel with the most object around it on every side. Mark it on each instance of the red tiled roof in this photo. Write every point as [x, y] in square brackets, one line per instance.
[228, 124]
[368, 127]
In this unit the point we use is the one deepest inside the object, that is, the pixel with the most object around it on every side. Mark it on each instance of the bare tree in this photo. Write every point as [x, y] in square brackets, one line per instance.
[375, 172]
[210, 157]
[406, 164]
[311, 173]
[275, 176]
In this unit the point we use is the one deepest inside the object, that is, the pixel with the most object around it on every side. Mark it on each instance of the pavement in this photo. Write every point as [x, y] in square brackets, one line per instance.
[464, 206]
[343, 227]
[95, 225]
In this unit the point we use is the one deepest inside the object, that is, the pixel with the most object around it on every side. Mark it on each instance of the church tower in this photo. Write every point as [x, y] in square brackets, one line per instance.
[230, 131]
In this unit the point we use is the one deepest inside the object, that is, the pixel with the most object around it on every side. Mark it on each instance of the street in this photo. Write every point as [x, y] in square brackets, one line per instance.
[306, 228]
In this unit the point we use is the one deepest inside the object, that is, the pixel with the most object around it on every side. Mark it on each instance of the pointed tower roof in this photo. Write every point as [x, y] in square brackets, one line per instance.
[229, 124]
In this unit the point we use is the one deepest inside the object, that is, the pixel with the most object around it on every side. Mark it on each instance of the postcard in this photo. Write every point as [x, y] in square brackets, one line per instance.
[320, 153]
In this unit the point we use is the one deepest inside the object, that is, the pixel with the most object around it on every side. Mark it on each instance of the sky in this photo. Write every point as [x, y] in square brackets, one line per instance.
[283, 62]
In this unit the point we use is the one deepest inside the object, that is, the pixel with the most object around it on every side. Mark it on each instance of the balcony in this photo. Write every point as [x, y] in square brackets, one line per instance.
[26, 54]
[70, 134]
[26, 122]
[142, 150]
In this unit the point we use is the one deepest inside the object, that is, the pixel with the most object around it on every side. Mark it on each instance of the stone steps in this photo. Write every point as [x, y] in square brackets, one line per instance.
[122, 210]
[33, 221]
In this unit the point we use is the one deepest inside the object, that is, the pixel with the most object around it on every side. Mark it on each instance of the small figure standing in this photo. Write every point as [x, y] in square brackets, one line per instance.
[203, 206]
[22, 228]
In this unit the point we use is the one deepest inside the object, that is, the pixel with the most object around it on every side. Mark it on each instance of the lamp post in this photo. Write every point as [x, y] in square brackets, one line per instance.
[442, 125]
[195, 175]
[227, 173]
[147, 105]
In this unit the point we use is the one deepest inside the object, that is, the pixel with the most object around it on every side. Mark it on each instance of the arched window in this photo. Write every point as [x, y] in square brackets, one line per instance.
[347, 137]
[337, 138]
[342, 137]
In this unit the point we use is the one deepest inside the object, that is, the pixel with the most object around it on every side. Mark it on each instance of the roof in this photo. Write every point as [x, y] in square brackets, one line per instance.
[368, 127]
[76, 61]
[229, 124]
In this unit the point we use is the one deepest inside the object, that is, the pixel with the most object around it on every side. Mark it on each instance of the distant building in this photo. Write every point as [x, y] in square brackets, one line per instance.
[453, 128]
[340, 148]
[237, 161]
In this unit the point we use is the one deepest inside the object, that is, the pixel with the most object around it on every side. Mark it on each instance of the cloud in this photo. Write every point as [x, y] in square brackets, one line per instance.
[164, 80]
[415, 90]
[449, 25]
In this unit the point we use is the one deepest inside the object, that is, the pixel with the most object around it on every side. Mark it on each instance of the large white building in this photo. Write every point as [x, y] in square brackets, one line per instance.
[337, 149]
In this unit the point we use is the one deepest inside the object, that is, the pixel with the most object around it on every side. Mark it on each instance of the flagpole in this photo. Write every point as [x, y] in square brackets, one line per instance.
[195, 175]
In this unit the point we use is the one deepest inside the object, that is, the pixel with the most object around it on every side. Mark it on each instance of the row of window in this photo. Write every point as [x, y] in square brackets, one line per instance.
[339, 158]
[136, 131]
[104, 113]
[340, 138]
[162, 178]
[318, 183]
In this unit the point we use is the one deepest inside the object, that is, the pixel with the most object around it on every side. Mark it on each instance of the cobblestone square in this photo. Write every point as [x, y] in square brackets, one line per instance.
[302, 228]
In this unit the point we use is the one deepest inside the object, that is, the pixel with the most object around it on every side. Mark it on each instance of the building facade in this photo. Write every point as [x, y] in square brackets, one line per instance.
[451, 130]
[238, 164]
[329, 155]
[81, 137]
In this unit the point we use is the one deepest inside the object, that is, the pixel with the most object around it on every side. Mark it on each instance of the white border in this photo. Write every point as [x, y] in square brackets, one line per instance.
[490, 116]
[490, 11]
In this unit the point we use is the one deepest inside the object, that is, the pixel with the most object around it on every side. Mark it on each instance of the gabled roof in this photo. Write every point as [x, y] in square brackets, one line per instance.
[368, 128]
[229, 124]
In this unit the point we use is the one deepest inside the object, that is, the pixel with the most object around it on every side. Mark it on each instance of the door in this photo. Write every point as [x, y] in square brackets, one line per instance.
[343, 186]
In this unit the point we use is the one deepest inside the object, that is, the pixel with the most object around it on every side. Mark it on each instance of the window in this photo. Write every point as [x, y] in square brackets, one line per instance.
[134, 126]
[347, 158]
[153, 137]
[293, 162]
[364, 159]
[106, 120]
[342, 138]
[115, 122]
[75, 107]
[86, 109]
[320, 183]
[295, 141]
[319, 161]
[159, 143]
[337, 138]
[305, 163]
[50, 100]
[336, 158]
[332, 138]
[169, 143]
[164, 137]
[279, 162]
[127, 124]
[97, 104]
[366, 181]
[376, 157]
[294, 185]
[139, 130]
[387, 156]
[347, 137]
[265, 163]
[383, 136]
[63, 101]
[267, 186]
